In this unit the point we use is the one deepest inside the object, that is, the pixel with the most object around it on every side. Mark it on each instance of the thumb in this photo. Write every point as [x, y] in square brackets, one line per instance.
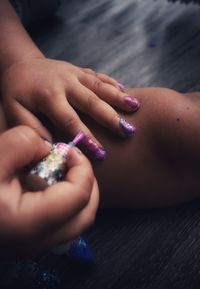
[19, 147]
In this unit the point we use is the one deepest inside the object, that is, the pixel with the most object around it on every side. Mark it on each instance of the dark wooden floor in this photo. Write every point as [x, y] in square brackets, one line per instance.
[140, 43]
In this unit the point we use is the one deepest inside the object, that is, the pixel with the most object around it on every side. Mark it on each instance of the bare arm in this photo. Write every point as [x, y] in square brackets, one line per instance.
[52, 87]
[16, 44]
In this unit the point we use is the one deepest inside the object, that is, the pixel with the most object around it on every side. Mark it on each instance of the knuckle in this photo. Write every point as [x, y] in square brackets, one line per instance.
[84, 197]
[92, 101]
[47, 94]
[117, 94]
[26, 134]
[97, 84]
[89, 70]
[99, 75]
[71, 123]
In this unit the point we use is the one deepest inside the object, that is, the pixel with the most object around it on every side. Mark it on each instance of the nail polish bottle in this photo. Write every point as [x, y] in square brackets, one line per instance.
[49, 171]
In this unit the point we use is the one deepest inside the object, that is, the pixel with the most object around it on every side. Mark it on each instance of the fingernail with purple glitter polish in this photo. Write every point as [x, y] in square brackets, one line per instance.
[132, 102]
[127, 129]
[120, 86]
[95, 151]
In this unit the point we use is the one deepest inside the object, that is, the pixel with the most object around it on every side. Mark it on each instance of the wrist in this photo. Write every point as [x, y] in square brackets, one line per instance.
[12, 71]
[16, 44]
[19, 60]
[13, 59]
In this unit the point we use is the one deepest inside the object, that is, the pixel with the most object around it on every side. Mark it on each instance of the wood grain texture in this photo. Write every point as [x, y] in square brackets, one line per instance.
[140, 43]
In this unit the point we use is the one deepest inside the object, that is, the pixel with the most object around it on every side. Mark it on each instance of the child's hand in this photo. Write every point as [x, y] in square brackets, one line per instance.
[33, 221]
[57, 89]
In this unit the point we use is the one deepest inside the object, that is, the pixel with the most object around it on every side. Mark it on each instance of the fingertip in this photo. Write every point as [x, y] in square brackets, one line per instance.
[19, 147]
[44, 133]
[29, 138]
[94, 150]
[126, 129]
[90, 136]
[48, 144]
[74, 157]
[90, 145]
[132, 103]
[24, 134]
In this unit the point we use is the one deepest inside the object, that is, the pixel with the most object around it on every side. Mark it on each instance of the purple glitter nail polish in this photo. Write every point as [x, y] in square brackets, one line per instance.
[132, 102]
[127, 129]
[95, 151]
[100, 154]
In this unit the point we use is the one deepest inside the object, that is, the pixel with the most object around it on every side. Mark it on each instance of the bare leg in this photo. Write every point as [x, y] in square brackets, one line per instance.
[159, 166]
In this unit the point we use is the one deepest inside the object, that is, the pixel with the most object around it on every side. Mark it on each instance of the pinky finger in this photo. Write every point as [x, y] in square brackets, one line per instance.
[104, 77]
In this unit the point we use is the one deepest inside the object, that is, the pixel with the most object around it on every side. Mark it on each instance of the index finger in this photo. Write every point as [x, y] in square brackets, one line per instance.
[20, 146]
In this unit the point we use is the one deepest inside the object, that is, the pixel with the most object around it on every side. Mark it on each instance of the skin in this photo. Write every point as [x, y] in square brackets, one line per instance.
[160, 165]
[52, 87]
[31, 84]
[31, 222]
